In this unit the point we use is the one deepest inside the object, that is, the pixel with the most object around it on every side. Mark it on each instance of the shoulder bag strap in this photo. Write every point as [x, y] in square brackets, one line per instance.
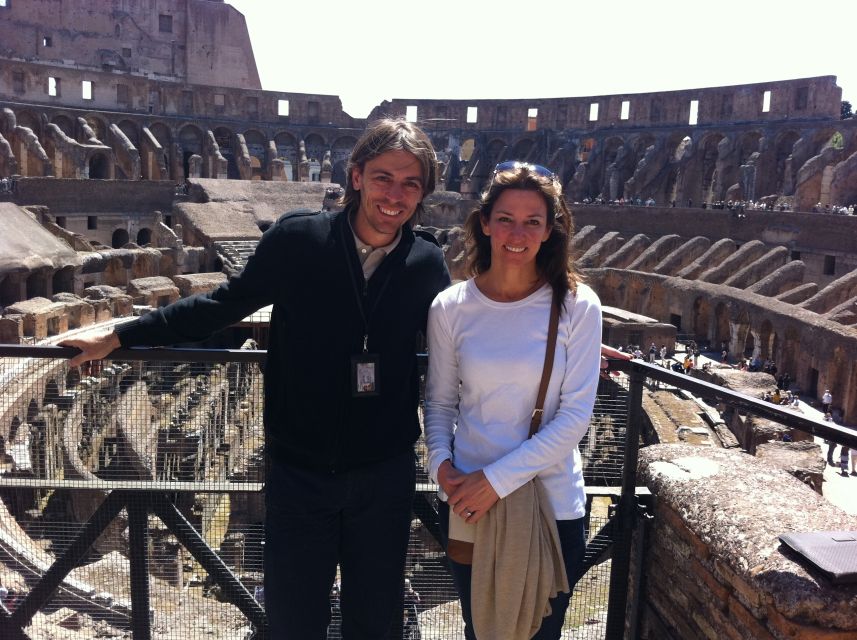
[553, 327]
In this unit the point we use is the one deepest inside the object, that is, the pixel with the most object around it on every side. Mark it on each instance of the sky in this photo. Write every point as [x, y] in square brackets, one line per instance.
[369, 51]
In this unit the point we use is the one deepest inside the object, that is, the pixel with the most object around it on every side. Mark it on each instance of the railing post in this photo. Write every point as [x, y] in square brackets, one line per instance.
[138, 543]
[626, 513]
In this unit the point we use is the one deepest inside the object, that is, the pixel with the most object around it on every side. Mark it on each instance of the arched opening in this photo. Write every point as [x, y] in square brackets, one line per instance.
[131, 132]
[29, 120]
[190, 140]
[709, 155]
[224, 139]
[521, 150]
[256, 144]
[98, 126]
[98, 167]
[785, 145]
[37, 285]
[748, 145]
[287, 150]
[144, 236]
[315, 147]
[721, 319]
[766, 335]
[119, 238]
[63, 280]
[65, 124]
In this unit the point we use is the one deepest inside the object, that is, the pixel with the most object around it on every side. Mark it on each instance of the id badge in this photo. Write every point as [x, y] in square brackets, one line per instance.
[365, 379]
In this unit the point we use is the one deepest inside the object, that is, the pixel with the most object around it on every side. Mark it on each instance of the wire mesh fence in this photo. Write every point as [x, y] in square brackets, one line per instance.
[191, 430]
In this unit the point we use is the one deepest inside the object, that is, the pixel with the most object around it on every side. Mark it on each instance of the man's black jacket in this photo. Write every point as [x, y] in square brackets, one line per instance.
[306, 266]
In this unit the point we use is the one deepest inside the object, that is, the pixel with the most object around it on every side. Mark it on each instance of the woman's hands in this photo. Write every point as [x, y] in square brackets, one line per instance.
[470, 495]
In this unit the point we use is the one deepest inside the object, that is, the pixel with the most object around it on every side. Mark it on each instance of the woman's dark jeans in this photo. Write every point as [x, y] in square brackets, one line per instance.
[572, 538]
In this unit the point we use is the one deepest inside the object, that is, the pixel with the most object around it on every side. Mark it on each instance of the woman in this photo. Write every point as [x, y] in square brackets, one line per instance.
[487, 339]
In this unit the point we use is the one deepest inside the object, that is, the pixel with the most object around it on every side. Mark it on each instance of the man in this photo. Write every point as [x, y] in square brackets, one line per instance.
[350, 292]
[826, 401]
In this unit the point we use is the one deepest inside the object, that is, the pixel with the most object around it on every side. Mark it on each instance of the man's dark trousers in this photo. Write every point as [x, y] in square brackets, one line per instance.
[359, 519]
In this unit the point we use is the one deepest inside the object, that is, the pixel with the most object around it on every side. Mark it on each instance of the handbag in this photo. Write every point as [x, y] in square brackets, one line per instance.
[462, 535]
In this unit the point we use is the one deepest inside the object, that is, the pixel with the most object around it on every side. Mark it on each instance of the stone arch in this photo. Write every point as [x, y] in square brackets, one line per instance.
[98, 166]
[494, 152]
[161, 133]
[37, 284]
[700, 319]
[708, 152]
[144, 236]
[522, 148]
[257, 148]
[315, 147]
[287, 149]
[341, 149]
[190, 139]
[33, 411]
[784, 145]
[225, 139]
[65, 123]
[748, 144]
[63, 280]
[52, 392]
[98, 126]
[72, 377]
[131, 131]
[119, 238]
[29, 119]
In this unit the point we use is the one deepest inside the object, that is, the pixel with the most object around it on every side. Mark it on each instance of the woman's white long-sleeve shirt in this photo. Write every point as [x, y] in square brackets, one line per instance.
[485, 365]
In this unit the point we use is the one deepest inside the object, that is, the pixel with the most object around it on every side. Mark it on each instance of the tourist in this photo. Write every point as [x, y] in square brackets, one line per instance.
[653, 353]
[663, 355]
[486, 339]
[348, 289]
[826, 401]
[843, 460]
[854, 462]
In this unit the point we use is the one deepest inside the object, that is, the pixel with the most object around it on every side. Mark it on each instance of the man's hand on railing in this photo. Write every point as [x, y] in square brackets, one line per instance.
[610, 352]
[96, 346]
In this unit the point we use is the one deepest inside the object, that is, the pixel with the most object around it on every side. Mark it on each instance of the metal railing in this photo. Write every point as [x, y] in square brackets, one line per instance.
[177, 434]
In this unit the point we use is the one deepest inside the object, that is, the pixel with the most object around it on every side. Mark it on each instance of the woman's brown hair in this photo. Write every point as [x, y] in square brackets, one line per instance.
[553, 261]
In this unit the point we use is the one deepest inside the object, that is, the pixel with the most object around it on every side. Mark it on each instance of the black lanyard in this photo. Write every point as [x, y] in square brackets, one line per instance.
[361, 298]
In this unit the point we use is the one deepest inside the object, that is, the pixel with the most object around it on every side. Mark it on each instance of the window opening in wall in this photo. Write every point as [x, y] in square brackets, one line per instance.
[61, 222]
[53, 86]
[18, 81]
[4, 4]
[165, 23]
[472, 115]
[694, 112]
[219, 99]
[312, 111]
[766, 102]
[123, 95]
[187, 101]
[726, 106]
[562, 116]
[126, 52]
[91, 222]
[282, 107]
[532, 119]
[655, 111]
[795, 255]
[675, 320]
[411, 113]
[593, 112]
[829, 265]
[86, 89]
[626, 110]
[47, 41]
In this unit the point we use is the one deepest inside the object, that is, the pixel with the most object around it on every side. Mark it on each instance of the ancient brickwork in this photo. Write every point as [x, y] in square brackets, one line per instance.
[714, 567]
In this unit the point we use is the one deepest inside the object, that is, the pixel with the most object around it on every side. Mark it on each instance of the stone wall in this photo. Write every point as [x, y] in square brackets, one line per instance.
[714, 567]
[198, 41]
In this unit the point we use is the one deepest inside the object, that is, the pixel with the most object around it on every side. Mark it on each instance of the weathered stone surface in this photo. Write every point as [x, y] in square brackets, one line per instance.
[801, 459]
[736, 506]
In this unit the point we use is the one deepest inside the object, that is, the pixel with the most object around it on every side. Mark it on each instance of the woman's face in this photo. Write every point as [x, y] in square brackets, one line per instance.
[517, 226]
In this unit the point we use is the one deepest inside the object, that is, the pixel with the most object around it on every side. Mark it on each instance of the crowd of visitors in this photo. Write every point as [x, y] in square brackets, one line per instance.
[736, 207]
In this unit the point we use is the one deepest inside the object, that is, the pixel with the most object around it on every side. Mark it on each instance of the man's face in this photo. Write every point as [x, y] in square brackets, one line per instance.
[391, 187]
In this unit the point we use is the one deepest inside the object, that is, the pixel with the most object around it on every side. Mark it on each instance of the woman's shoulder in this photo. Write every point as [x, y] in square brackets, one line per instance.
[584, 294]
[453, 294]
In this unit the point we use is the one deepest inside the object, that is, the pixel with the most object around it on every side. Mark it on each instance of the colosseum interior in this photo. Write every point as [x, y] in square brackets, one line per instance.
[140, 163]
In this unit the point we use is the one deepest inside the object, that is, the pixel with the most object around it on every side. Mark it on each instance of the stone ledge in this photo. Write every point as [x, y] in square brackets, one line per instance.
[736, 506]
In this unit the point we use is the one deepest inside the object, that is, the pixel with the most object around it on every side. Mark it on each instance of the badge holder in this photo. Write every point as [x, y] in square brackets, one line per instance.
[365, 378]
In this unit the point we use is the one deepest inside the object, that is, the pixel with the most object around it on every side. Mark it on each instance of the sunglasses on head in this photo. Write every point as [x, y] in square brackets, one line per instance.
[514, 165]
